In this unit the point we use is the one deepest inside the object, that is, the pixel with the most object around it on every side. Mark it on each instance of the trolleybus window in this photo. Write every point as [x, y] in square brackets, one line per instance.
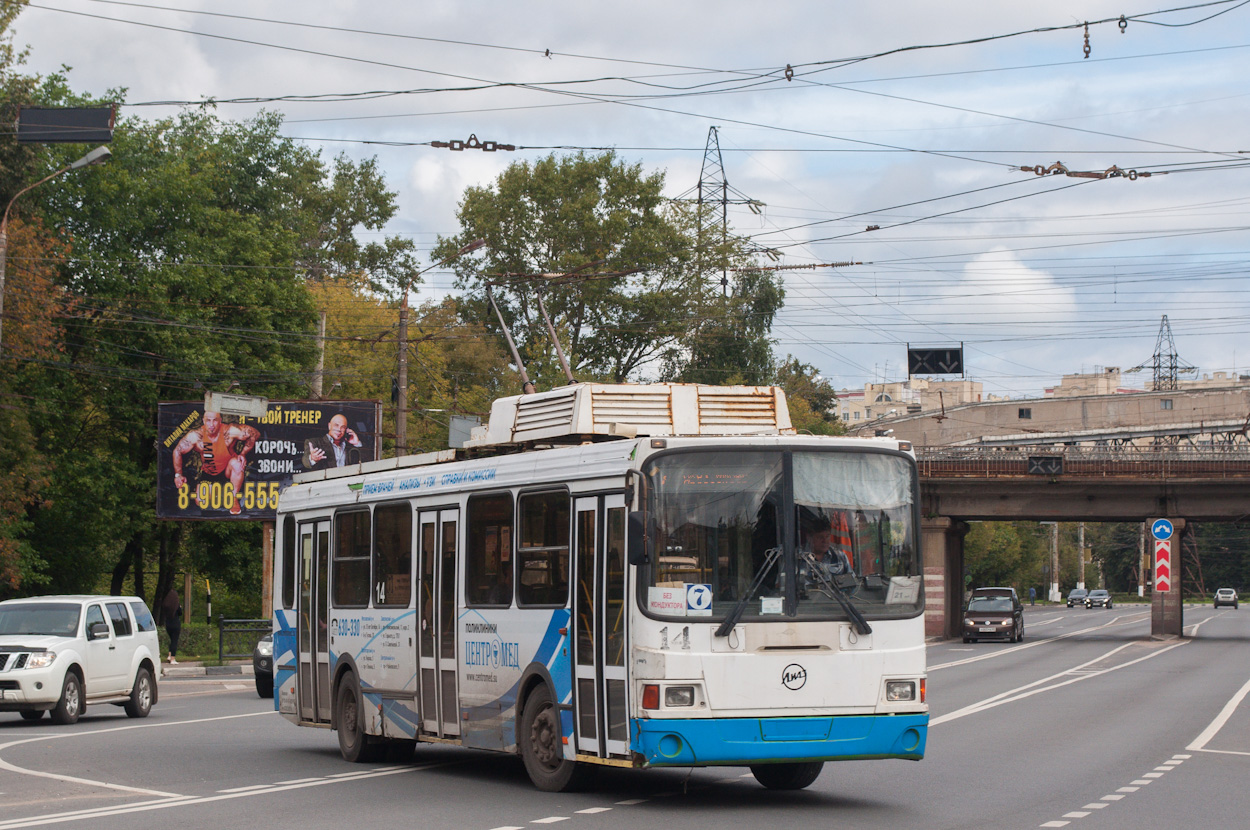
[288, 562]
[543, 551]
[851, 534]
[488, 561]
[351, 559]
[392, 555]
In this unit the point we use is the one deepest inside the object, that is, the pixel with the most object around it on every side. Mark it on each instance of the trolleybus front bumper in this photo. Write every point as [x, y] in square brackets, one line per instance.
[744, 741]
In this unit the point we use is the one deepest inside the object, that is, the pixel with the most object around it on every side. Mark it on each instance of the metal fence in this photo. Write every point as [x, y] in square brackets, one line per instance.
[1086, 462]
[238, 638]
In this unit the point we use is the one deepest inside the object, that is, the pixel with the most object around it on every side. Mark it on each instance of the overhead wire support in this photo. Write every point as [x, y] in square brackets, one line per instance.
[472, 143]
[1112, 172]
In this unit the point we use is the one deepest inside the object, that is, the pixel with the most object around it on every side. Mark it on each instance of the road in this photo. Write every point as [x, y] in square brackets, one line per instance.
[1087, 724]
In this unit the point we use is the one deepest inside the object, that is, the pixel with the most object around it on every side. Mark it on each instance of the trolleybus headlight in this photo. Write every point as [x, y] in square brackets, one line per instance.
[896, 690]
[650, 697]
[679, 696]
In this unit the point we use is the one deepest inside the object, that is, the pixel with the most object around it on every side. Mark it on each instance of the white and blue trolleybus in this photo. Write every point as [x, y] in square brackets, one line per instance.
[641, 576]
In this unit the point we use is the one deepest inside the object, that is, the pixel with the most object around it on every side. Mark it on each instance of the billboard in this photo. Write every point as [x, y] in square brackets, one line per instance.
[214, 466]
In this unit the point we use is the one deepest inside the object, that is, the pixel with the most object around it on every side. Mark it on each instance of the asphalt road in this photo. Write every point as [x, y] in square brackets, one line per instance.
[1086, 724]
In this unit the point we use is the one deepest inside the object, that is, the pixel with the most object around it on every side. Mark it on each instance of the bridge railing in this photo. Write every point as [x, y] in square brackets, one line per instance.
[1087, 462]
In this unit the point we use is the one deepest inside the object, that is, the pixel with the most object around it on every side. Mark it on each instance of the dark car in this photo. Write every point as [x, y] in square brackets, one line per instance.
[994, 614]
[262, 666]
[1099, 597]
[1077, 597]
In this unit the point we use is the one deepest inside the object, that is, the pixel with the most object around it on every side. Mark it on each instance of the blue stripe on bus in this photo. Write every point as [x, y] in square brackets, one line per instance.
[740, 741]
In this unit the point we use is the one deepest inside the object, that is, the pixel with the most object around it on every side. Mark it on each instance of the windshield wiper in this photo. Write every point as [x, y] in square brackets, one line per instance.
[831, 587]
[770, 558]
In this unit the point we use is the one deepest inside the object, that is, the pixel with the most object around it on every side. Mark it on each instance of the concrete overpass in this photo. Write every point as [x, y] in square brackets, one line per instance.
[1067, 483]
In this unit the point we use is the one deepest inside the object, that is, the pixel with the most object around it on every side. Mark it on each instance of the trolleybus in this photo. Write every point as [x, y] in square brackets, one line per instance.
[641, 576]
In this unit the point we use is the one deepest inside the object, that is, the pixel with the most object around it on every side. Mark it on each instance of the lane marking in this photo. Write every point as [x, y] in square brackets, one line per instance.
[87, 782]
[632, 801]
[1199, 743]
[590, 811]
[549, 820]
[1128, 789]
[1153, 775]
[1076, 814]
[1055, 824]
[1140, 782]
[186, 800]
[1095, 806]
[507, 828]
[1028, 690]
[1128, 620]
[244, 789]
[1112, 797]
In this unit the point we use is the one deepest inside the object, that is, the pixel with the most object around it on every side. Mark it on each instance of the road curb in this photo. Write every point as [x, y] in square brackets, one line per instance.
[192, 670]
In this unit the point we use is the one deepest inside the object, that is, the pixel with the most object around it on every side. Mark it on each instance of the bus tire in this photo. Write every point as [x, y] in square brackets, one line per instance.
[787, 776]
[353, 742]
[542, 746]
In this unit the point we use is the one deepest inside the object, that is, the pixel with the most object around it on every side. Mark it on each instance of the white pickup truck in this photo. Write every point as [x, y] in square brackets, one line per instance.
[59, 653]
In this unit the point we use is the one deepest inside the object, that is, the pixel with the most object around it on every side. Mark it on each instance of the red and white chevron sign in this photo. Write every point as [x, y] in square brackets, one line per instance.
[1163, 564]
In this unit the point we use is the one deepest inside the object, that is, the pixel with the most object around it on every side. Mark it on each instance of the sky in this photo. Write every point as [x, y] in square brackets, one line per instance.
[912, 118]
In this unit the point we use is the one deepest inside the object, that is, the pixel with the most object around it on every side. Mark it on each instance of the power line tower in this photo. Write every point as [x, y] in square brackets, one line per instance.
[1165, 363]
[714, 189]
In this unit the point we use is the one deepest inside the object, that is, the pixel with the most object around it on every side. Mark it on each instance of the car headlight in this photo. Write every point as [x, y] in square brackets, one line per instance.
[41, 660]
[897, 690]
[264, 649]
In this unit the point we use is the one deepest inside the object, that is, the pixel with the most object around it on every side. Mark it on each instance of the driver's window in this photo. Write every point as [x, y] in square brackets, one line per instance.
[94, 615]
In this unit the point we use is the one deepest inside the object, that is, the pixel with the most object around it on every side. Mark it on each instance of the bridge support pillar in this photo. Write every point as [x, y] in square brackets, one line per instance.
[942, 543]
[1167, 611]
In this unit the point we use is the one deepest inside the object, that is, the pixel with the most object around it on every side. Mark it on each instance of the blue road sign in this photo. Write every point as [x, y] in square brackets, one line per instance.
[1161, 529]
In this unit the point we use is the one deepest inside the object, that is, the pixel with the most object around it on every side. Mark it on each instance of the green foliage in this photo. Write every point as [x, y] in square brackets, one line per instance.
[812, 399]
[1006, 553]
[596, 215]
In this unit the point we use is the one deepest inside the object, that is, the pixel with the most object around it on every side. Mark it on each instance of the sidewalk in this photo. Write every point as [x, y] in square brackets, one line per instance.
[195, 668]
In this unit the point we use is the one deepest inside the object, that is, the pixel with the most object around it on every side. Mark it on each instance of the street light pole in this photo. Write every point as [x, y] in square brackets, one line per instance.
[401, 404]
[97, 156]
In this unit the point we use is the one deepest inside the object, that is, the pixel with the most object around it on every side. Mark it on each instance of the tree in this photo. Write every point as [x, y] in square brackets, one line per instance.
[598, 217]
[812, 399]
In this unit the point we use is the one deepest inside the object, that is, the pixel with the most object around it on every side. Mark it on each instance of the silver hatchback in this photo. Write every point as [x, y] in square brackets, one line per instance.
[1226, 596]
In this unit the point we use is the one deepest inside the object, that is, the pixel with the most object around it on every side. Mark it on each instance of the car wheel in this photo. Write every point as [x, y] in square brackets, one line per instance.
[967, 639]
[542, 746]
[141, 695]
[32, 714]
[69, 707]
[264, 685]
[787, 776]
[353, 742]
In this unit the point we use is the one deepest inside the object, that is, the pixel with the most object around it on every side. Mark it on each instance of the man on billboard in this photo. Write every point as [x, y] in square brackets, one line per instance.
[337, 448]
[223, 450]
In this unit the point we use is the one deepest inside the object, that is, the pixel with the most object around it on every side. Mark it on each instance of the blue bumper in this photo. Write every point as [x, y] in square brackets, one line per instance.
[743, 741]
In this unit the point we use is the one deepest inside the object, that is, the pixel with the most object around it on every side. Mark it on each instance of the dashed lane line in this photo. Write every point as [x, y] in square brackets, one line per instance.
[1119, 795]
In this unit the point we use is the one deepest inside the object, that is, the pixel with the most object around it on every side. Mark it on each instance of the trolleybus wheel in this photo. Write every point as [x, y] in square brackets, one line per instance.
[353, 742]
[787, 776]
[542, 746]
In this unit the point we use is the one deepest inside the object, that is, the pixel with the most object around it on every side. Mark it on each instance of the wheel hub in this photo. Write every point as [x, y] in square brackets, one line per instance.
[544, 737]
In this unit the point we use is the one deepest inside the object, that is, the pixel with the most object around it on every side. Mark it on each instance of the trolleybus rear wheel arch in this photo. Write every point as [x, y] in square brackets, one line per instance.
[793, 776]
[542, 746]
[355, 745]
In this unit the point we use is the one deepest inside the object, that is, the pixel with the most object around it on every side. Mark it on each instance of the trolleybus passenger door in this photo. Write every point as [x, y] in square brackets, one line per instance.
[586, 625]
[313, 622]
[611, 628]
[436, 608]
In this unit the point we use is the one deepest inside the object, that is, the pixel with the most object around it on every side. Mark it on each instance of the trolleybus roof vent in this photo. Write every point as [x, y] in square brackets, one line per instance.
[588, 411]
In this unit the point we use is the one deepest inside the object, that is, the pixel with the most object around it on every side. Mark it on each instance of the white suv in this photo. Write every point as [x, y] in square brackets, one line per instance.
[61, 653]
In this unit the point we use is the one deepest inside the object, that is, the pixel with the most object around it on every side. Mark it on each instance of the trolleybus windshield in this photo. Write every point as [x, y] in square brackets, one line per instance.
[844, 521]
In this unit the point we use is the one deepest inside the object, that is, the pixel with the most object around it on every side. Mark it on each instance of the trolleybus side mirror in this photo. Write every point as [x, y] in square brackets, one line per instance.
[638, 538]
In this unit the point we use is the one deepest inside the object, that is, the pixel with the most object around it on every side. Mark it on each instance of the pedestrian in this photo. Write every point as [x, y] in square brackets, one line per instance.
[1032, 595]
[172, 607]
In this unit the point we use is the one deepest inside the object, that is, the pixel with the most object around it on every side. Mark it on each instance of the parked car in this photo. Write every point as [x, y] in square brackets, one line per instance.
[1226, 596]
[262, 666]
[59, 653]
[1077, 597]
[994, 614]
[1099, 597]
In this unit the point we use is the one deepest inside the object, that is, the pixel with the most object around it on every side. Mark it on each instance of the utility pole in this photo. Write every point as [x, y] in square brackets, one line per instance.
[1141, 560]
[319, 375]
[714, 188]
[1080, 550]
